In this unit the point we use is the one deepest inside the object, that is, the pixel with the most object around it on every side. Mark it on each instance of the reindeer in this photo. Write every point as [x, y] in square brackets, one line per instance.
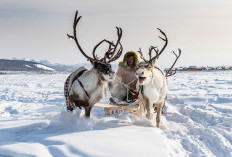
[84, 87]
[152, 81]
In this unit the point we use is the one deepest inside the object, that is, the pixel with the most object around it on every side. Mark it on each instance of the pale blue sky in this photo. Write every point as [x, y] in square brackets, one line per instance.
[37, 29]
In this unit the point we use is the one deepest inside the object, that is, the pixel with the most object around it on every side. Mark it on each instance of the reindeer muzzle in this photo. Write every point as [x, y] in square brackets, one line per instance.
[112, 74]
[142, 79]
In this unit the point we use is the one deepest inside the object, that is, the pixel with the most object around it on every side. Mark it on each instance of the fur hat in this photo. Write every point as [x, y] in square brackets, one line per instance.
[129, 54]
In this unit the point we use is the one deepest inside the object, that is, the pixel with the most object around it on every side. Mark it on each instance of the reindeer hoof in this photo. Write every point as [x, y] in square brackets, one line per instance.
[149, 116]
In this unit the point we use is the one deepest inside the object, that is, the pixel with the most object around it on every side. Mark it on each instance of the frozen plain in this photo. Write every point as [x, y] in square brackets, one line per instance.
[197, 120]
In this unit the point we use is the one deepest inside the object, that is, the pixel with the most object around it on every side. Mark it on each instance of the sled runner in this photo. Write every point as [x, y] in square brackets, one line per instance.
[115, 106]
[134, 106]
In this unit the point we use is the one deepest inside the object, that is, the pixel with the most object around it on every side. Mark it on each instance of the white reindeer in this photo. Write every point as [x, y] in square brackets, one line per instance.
[84, 87]
[152, 81]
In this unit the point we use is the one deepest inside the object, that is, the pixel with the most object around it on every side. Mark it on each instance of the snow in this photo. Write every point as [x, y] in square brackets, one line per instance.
[28, 66]
[44, 67]
[197, 120]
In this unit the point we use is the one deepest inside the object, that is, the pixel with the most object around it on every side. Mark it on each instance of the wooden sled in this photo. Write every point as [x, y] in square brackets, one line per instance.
[111, 109]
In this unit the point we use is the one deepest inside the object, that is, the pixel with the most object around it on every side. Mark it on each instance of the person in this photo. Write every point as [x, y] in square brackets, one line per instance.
[125, 77]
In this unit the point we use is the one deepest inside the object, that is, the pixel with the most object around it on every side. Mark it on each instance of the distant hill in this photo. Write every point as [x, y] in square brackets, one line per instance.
[40, 66]
[68, 68]
[20, 65]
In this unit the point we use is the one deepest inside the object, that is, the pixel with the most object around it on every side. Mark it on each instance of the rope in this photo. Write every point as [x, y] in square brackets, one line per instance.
[128, 89]
[116, 78]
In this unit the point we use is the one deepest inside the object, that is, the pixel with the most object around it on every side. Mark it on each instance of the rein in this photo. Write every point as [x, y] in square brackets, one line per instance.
[125, 85]
[128, 89]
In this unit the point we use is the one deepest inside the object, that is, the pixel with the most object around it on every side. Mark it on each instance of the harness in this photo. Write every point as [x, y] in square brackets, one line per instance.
[66, 90]
[82, 86]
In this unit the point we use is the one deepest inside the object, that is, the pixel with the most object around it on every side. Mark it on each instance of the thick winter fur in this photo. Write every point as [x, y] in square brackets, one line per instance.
[94, 81]
[154, 90]
[126, 74]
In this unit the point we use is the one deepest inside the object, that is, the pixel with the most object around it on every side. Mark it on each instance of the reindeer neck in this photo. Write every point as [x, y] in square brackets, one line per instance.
[92, 78]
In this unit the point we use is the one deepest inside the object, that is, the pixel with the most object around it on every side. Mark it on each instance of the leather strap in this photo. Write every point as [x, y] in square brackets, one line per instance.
[82, 86]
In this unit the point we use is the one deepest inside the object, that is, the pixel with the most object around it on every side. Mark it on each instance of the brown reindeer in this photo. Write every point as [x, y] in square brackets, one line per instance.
[84, 87]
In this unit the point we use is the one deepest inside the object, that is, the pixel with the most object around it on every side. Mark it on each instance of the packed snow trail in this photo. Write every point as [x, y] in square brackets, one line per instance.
[200, 112]
[197, 120]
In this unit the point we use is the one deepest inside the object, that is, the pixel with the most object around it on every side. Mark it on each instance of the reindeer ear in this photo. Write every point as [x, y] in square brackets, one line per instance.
[93, 64]
[96, 65]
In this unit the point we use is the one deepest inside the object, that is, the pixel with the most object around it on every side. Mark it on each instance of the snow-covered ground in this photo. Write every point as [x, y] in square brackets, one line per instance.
[44, 67]
[197, 120]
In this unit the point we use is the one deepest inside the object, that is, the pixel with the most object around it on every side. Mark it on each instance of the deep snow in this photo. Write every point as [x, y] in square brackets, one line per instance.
[197, 120]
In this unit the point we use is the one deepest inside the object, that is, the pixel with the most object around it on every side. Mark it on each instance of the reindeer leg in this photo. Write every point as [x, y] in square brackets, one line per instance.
[159, 108]
[87, 111]
[147, 106]
[142, 108]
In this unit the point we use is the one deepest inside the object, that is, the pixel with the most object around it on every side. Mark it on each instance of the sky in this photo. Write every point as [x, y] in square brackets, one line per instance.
[37, 30]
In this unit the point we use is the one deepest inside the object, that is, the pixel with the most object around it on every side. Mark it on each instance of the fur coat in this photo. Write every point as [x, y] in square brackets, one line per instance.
[127, 75]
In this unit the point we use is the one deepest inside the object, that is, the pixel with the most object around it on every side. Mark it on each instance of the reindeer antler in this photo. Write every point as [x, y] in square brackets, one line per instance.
[142, 57]
[94, 49]
[170, 69]
[109, 54]
[119, 52]
[150, 52]
[158, 53]
[152, 60]
[74, 37]
[151, 48]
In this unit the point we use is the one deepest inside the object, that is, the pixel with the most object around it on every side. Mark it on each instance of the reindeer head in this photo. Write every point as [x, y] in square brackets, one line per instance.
[144, 73]
[104, 70]
[146, 69]
[101, 65]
